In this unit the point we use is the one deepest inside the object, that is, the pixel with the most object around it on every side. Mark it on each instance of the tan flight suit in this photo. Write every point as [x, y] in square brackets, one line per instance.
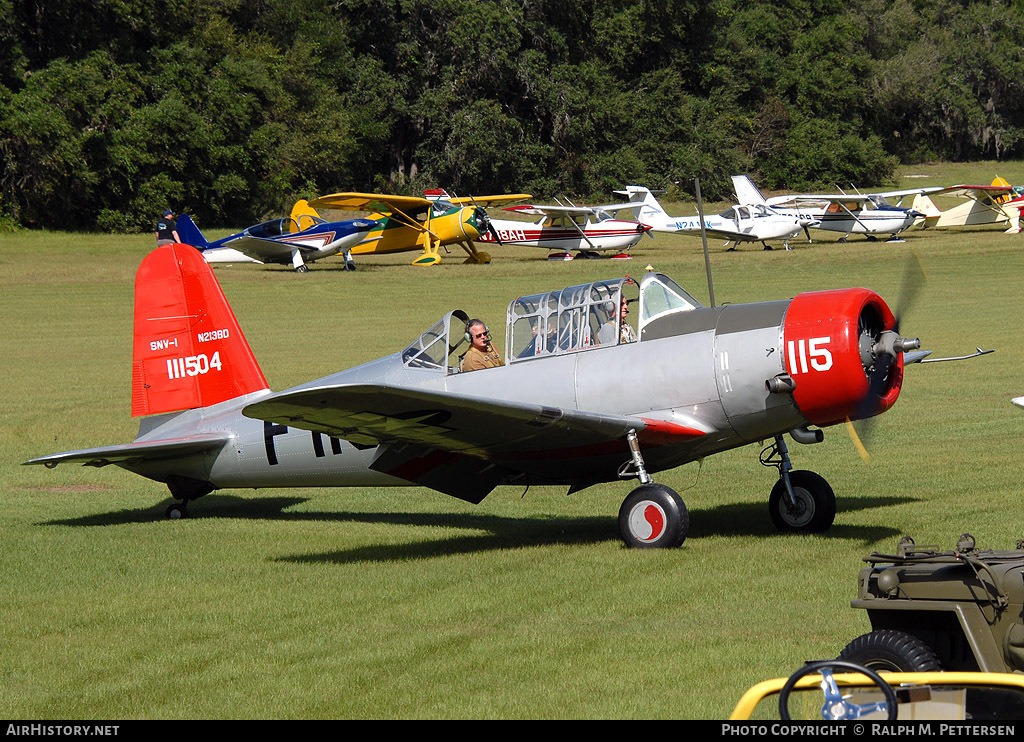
[474, 359]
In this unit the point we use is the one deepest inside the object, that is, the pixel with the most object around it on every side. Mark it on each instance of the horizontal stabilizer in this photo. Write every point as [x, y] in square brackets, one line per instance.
[138, 451]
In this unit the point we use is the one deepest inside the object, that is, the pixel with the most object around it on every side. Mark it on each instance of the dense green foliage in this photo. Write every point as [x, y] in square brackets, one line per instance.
[112, 109]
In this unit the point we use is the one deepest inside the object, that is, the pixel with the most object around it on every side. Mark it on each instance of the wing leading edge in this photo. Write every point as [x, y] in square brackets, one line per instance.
[461, 445]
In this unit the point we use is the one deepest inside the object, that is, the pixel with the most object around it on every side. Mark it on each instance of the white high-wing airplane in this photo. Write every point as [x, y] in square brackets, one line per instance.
[745, 222]
[562, 227]
[857, 213]
[588, 229]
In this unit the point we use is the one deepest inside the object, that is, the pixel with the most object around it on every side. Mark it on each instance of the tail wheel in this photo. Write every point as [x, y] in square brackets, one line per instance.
[887, 650]
[177, 511]
[815, 507]
[653, 516]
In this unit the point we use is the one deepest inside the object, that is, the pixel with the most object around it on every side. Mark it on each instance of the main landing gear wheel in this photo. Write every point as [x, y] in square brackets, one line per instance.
[815, 507]
[835, 707]
[653, 516]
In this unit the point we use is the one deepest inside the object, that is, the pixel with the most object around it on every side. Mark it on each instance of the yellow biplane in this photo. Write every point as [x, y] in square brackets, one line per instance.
[415, 223]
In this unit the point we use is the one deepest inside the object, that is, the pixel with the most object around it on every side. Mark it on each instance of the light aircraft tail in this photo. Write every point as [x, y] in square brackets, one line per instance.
[747, 193]
[188, 349]
[189, 233]
[303, 216]
[1000, 182]
[924, 205]
[651, 212]
[436, 194]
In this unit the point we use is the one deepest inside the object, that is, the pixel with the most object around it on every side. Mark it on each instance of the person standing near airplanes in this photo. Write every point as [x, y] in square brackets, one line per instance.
[166, 229]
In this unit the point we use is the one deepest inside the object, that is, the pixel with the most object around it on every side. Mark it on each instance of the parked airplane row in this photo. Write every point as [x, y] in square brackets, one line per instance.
[438, 220]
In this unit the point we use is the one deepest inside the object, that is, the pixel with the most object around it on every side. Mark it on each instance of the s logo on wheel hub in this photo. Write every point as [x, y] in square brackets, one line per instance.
[647, 521]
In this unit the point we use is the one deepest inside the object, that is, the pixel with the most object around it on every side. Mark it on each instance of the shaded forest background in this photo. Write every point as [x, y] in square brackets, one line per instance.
[112, 110]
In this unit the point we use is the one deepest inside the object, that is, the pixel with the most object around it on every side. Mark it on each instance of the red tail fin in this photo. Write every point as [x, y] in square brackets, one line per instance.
[189, 350]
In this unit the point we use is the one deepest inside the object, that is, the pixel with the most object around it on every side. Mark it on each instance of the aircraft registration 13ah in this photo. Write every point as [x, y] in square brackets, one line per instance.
[589, 393]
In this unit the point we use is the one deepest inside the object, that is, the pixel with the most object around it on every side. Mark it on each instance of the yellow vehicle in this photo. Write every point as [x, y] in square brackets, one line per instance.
[412, 223]
[838, 690]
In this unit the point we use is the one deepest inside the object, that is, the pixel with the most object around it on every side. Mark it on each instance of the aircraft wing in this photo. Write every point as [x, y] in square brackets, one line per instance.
[976, 192]
[265, 249]
[461, 445]
[554, 210]
[926, 190]
[138, 451]
[819, 198]
[487, 200]
[720, 233]
[380, 203]
[633, 206]
[847, 198]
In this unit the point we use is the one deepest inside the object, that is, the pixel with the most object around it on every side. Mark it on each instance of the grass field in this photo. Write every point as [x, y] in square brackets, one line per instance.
[404, 603]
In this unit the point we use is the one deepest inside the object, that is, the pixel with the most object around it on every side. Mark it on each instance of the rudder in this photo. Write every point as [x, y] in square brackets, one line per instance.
[303, 215]
[188, 348]
[189, 233]
[746, 192]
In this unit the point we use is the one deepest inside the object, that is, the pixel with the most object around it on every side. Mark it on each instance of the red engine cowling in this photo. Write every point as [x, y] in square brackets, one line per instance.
[829, 339]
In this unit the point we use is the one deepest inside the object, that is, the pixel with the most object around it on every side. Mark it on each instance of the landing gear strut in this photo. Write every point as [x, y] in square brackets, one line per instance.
[652, 516]
[801, 501]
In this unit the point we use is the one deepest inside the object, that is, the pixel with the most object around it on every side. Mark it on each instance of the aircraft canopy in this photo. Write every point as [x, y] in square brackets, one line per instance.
[585, 316]
[554, 323]
[280, 227]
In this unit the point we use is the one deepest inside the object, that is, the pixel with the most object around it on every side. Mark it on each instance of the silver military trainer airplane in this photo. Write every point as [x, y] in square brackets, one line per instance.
[588, 394]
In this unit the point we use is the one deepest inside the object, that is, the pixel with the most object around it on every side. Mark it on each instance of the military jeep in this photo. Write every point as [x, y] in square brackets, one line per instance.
[942, 610]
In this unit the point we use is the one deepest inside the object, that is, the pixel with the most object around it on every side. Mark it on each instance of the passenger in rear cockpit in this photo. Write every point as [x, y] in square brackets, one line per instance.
[616, 329]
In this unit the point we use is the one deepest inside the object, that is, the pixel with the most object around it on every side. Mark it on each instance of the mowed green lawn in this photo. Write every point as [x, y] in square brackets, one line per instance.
[319, 603]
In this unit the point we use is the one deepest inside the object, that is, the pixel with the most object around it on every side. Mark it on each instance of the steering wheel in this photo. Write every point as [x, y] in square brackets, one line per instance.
[837, 708]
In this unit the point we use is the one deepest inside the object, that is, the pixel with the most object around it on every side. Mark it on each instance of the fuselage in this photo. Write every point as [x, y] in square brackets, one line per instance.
[743, 228]
[558, 234]
[395, 233]
[275, 241]
[855, 218]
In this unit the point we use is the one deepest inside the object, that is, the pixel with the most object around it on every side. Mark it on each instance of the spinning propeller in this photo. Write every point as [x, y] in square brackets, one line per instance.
[880, 349]
[483, 218]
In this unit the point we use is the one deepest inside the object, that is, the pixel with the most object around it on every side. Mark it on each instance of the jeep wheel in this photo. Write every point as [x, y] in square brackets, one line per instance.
[815, 504]
[891, 651]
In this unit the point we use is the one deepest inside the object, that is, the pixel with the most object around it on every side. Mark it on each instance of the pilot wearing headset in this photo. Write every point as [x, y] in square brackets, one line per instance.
[480, 354]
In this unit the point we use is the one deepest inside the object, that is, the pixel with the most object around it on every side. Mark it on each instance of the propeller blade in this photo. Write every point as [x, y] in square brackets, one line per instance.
[482, 216]
[913, 278]
[886, 346]
[494, 232]
[852, 430]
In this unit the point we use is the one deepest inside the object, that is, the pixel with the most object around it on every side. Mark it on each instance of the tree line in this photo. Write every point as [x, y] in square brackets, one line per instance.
[112, 110]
